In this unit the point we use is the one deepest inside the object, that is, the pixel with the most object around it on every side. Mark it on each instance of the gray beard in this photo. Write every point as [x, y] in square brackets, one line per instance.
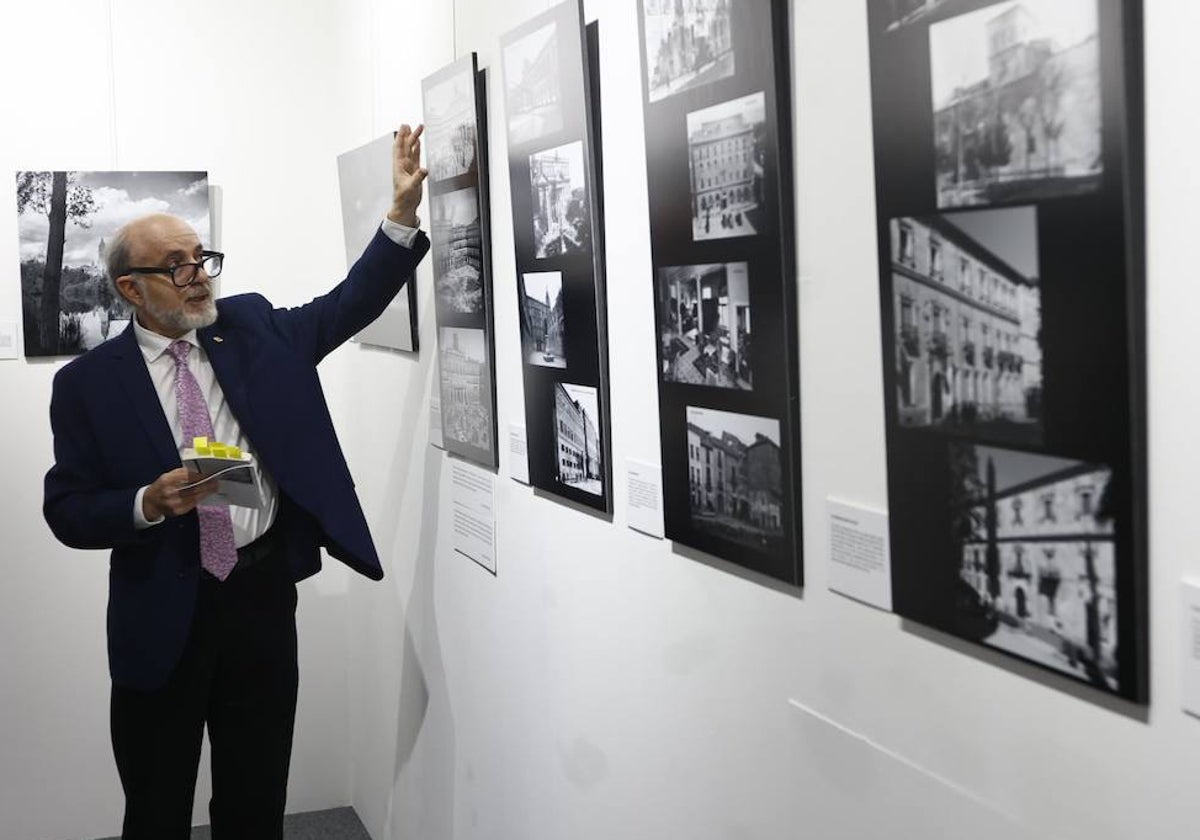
[178, 320]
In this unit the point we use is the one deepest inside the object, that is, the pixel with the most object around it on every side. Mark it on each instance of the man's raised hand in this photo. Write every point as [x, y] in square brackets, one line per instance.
[408, 175]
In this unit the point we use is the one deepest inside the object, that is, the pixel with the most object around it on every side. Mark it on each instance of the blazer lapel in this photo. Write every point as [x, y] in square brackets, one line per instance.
[223, 355]
[135, 378]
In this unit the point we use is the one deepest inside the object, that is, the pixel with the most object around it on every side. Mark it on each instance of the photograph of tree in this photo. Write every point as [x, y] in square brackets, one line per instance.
[1037, 560]
[968, 323]
[687, 44]
[1016, 102]
[65, 220]
[558, 187]
[704, 330]
[725, 157]
[543, 327]
[457, 250]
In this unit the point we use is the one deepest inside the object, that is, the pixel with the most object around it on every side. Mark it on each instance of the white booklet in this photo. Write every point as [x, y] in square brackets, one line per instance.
[238, 482]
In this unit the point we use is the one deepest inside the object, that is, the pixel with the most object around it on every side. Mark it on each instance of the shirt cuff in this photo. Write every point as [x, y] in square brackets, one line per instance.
[402, 235]
[140, 522]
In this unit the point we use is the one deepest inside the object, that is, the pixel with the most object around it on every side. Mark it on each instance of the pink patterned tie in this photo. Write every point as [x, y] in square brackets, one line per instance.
[218, 552]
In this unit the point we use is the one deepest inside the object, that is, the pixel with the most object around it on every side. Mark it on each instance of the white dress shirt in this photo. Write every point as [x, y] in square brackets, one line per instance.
[248, 523]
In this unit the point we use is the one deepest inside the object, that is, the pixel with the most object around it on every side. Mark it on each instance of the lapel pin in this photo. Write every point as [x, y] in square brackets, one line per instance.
[218, 339]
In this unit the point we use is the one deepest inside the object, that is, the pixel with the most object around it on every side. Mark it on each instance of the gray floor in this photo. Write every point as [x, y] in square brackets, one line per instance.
[336, 824]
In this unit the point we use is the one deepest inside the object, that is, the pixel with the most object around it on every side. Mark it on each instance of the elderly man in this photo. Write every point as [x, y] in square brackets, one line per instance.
[202, 598]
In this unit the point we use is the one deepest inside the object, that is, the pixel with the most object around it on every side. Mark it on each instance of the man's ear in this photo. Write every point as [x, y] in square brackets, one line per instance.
[129, 290]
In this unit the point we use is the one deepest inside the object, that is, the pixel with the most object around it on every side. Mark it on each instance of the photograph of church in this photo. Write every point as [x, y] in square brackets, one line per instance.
[735, 476]
[465, 387]
[577, 438]
[532, 86]
[726, 145]
[450, 127]
[543, 327]
[457, 250]
[1016, 102]
[1038, 559]
[704, 325]
[689, 43]
[558, 189]
[967, 320]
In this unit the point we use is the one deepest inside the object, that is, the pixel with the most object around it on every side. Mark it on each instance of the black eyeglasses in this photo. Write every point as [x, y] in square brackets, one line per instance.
[184, 274]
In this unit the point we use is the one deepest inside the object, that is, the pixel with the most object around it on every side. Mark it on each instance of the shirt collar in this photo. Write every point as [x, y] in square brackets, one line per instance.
[154, 345]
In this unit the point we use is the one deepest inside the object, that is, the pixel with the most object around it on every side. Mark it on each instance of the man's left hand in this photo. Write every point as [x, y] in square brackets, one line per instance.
[408, 175]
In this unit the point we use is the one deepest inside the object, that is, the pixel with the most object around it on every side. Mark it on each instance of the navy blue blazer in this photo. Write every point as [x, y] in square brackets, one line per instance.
[111, 438]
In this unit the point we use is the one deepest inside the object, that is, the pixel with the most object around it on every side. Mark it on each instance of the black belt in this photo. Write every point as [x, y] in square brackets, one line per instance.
[252, 554]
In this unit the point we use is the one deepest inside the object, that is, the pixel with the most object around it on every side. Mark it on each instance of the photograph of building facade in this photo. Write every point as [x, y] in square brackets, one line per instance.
[532, 86]
[543, 326]
[457, 250]
[576, 439]
[725, 164]
[704, 328]
[967, 322]
[689, 43]
[450, 127]
[735, 475]
[1039, 557]
[1018, 116]
[558, 187]
[64, 222]
[466, 387]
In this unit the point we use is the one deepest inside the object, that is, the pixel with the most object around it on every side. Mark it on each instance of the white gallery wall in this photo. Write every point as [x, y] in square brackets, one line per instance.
[603, 684]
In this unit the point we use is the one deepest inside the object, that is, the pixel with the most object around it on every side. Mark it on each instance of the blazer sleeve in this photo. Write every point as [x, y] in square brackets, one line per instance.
[319, 327]
[80, 510]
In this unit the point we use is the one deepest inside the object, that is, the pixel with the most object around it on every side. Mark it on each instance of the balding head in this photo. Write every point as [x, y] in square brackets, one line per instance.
[139, 242]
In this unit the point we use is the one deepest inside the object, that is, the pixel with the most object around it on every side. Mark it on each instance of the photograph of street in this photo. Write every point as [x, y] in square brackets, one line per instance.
[577, 439]
[532, 86]
[687, 44]
[558, 189]
[1037, 562]
[450, 127]
[726, 145]
[465, 386]
[65, 222]
[735, 476]
[457, 250]
[968, 327]
[1016, 102]
[543, 327]
[704, 324]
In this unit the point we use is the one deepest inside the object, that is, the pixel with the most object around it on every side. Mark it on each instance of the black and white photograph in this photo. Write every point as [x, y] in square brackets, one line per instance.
[687, 44]
[65, 221]
[558, 188]
[704, 325]
[1036, 559]
[968, 324]
[450, 127]
[543, 326]
[577, 438]
[465, 373]
[365, 183]
[735, 476]
[1016, 102]
[532, 86]
[457, 250]
[726, 146]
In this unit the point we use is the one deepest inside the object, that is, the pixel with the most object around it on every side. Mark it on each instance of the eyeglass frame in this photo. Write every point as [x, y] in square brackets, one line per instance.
[170, 270]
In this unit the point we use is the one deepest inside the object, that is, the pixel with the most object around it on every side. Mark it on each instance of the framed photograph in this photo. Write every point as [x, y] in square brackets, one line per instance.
[365, 181]
[459, 232]
[65, 221]
[552, 113]
[717, 108]
[1009, 178]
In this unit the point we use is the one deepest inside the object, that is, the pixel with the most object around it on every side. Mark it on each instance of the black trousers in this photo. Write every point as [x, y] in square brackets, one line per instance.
[238, 676]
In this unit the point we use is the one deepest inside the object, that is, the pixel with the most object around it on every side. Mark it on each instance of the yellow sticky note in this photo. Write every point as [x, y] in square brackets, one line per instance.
[204, 451]
[200, 442]
[219, 450]
[234, 451]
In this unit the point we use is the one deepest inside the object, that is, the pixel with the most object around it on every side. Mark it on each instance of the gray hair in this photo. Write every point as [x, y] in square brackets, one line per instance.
[116, 257]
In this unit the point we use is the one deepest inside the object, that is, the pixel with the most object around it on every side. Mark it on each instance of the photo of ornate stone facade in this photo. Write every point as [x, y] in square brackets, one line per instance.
[543, 326]
[704, 327]
[726, 145]
[531, 84]
[735, 476]
[689, 43]
[1017, 115]
[558, 188]
[577, 439]
[466, 387]
[457, 250]
[1038, 559]
[968, 323]
[450, 127]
